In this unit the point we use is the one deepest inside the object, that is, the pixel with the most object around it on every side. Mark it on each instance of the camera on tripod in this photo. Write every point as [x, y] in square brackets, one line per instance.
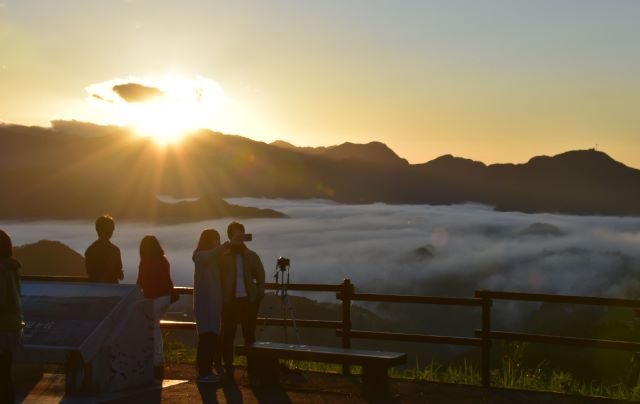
[283, 267]
[283, 263]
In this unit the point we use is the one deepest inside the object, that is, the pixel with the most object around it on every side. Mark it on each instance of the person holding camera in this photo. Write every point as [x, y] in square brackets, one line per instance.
[242, 276]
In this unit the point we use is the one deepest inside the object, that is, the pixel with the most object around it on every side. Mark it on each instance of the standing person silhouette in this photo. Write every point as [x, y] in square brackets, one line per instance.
[102, 259]
[11, 320]
[242, 291]
[154, 278]
[207, 305]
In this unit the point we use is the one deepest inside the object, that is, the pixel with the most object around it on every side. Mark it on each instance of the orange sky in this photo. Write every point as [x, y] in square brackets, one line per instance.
[497, 81]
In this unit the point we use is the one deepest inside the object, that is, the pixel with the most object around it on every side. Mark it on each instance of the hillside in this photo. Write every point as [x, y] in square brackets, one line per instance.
[373, 152]
[49, 258]
[83, 170]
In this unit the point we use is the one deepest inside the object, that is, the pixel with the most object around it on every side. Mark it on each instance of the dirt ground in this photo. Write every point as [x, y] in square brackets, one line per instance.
[297, 387]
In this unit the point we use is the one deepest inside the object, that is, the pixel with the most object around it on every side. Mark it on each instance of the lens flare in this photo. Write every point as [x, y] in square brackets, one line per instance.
[185, 105]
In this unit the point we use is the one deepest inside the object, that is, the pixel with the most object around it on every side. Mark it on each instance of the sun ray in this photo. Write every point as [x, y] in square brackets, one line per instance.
[178, 106]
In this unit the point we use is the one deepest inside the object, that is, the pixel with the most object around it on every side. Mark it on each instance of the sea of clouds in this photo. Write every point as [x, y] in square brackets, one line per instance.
[401, 249]
[443, 250]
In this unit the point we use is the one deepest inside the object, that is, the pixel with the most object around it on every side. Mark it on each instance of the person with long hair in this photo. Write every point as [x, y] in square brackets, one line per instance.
[207, 305]
[11, 320]
[154, 278]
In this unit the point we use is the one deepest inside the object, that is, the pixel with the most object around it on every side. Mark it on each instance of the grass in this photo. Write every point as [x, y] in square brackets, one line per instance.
[511, 374]
[177, 352]
[463, 373]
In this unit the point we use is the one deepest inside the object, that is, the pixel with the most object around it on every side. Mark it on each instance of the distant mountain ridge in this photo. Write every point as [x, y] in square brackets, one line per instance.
[375, 152]
[81, 170]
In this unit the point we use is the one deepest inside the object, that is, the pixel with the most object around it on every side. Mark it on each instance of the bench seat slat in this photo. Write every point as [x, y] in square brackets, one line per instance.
[325, 354]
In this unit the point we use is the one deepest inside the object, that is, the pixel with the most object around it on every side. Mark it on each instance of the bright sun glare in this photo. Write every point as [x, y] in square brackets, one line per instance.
[185, 105]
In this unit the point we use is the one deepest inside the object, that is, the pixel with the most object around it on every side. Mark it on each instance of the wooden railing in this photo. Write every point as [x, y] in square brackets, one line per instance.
[270, 321]
[486, 334]
[345, 292]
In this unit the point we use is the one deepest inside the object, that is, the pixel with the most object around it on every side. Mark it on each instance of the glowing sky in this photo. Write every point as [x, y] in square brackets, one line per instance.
[490, 80]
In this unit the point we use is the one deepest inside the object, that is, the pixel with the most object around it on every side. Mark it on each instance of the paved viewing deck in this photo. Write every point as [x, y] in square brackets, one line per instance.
[298, 387]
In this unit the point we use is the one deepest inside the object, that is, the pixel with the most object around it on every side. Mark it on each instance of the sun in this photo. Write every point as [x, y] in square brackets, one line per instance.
[164, 109]
[164, 122]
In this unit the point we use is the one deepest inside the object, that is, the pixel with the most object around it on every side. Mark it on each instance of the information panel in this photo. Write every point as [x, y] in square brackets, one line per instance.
[62, 315]
[63, 321]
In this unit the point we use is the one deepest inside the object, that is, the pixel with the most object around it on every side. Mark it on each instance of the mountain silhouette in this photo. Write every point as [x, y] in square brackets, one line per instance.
[49, 258]
[375, 152]
[80, 170]
[77, 170]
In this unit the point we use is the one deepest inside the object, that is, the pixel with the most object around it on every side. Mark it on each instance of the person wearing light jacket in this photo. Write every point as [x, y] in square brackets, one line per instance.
[207, 305]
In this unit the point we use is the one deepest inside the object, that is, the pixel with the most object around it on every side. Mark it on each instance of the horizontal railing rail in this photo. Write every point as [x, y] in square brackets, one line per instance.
[567, 299]
[412, 337]
[262, 321]
[308, 287]
[437, 300]
[54, 278]
[562, 340]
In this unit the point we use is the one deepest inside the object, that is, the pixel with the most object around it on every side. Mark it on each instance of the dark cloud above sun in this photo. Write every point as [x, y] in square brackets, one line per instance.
[134, 92]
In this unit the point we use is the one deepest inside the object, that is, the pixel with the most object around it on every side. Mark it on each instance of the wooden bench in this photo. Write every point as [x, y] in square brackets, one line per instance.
[375, 364]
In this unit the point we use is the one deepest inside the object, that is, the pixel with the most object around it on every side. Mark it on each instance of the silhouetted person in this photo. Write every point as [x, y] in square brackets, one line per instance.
[102, 258]
[154, 278]
[242, 292]
[11, 321]
[207, 305]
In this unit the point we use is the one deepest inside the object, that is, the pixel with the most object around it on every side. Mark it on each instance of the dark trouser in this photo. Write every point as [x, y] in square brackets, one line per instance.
[238, 311]
[7, 394]
[208, 352]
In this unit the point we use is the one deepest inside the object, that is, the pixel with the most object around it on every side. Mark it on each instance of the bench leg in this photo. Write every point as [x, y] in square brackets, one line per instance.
[268, 370]
[375, 382]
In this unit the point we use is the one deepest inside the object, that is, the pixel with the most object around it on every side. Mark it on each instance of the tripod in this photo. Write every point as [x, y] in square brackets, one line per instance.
[283, 271]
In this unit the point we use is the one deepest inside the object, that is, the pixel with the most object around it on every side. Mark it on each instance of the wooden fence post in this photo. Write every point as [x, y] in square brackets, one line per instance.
[347, 291]
[485, 362]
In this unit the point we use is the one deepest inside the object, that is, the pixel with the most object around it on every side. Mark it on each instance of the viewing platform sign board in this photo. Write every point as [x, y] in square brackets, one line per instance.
[101, 333]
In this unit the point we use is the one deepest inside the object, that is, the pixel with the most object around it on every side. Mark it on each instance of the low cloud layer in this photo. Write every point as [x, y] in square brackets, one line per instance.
[436, 250]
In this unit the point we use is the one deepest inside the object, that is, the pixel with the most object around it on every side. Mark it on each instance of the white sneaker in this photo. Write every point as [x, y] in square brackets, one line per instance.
[210, 378]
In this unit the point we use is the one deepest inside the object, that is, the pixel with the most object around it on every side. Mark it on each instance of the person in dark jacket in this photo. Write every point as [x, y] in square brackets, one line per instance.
[242, 276]
[11, 320]
[154, 278]
[102, 259]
